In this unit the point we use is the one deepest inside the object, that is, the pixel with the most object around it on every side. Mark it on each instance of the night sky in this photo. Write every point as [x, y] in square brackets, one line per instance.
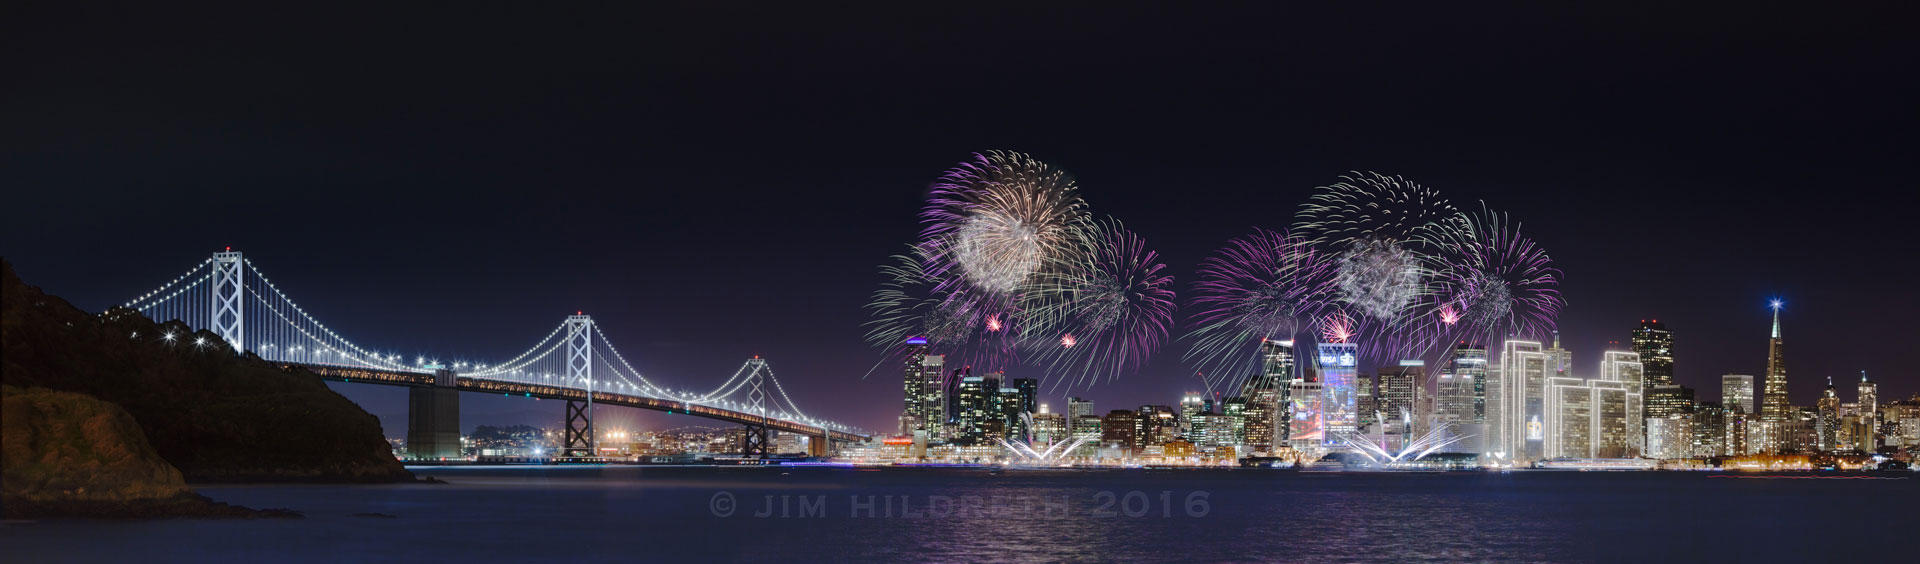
[712, 185]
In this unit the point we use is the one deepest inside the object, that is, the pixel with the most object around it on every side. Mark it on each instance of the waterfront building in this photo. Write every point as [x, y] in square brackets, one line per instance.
[1116, 431]
[1155, 425]
[1568, 418]
[1087, 427]
[1233, 424]
[1670, 437]
[1515, 404]
[1775, 411]
[1709, 430]
[1625, 367]
[978, 420]
[1309, 421]
[1588, 419]
[1049, 426]
[1365, 397]
[925, 395]
[1737, 431]
[1339, 364]
[1459, 398]
[1399, 392]
[1014, 413]
[1192, 404]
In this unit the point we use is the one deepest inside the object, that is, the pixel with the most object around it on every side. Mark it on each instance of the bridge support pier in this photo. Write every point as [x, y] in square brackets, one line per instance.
[819, 446]
[754, 444]
[579, 439]
[433, 420]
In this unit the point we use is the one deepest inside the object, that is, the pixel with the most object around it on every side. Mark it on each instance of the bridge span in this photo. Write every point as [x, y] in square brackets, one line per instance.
[575, 363]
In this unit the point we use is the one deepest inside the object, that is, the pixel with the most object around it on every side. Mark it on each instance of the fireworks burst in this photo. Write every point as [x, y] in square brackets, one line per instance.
[1379, 278]
[1381, 228]
[1005, 216]
[1500, 282]
[1336, 328]
[1108, 299]
[917, 299]
[1264, 285]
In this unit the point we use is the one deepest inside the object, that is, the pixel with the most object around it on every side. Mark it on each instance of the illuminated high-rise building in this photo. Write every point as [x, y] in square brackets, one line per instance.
[1399, 396]
[1049, 426]
[1624, 367]
[1459, 398]
[1736, 393]
[1339, 364]
[1266, 395]
[1654, 343]
[1775, 411]
[1869, 414]
[1568, 419]
[925, 394]
[1559, 360]
[1368, 400]
[1515, 402]
[1309, 417]
[1829, 421]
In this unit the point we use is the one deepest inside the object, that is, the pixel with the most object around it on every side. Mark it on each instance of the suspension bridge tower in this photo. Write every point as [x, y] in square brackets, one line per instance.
[754, 443]
[579, 345]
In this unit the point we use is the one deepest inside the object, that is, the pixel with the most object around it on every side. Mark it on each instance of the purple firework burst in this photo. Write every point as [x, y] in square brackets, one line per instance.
[1002, 216]
[1101, 308]
[1265, 285]
[1493, 281]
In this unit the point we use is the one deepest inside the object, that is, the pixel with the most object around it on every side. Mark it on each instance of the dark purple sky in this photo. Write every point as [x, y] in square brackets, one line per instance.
[709, 186]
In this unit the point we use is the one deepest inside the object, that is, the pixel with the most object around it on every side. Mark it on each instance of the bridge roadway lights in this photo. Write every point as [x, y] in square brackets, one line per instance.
[433, 419]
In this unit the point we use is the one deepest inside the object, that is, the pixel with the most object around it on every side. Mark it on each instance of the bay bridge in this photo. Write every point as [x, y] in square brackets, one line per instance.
[228, 296]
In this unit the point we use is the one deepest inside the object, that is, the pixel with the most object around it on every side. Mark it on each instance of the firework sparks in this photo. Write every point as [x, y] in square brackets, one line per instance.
[1267, 284]
[917, 299]
[1005, 215]
[1504, 283]
[1110, 301]
[1336, 328]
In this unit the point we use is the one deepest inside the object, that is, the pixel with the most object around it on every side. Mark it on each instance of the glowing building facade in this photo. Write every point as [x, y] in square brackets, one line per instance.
[1459, 397]
[1515, 402]
[1339, 365]
[1309, 427]
[1399, 396]
[925, 411]
[1266, 394]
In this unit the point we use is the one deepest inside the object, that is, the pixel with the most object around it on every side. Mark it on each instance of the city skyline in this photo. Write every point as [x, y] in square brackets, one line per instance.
[767, 244]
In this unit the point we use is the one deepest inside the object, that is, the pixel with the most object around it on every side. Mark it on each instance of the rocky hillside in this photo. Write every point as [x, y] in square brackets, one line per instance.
[67, 454]
[214, 415]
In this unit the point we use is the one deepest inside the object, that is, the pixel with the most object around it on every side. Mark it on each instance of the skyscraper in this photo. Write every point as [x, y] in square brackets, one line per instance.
[1399, 398]
[1266, 394]
[1775, 410]
[1624, 367]
[1515, 403]
[1559, 360]
[1829, 422]
[1736, 392]
[1655, 345]
[1339, 364]
[925, 395]
[1869, 414]
[1459, 397]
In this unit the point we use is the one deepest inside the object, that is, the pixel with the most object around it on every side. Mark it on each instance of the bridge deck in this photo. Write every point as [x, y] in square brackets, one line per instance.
[467, 384]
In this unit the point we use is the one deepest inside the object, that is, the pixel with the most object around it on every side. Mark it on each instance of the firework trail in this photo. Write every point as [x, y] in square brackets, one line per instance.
[1003, 216]
[1265, 285]
[1101, 308]
[1494, 281]
[917, 298]
[1380, 229]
